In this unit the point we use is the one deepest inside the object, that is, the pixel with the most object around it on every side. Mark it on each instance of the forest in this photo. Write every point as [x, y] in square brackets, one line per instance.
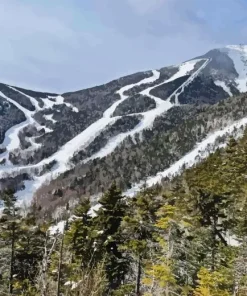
[187, 236]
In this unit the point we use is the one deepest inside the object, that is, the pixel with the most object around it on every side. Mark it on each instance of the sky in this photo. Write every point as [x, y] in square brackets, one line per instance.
[65, 45]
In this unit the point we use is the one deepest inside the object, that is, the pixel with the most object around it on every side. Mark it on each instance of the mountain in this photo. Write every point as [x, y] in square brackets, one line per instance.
[141, 127]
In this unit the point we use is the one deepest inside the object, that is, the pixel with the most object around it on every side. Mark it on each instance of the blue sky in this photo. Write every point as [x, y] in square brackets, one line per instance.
[63, 45]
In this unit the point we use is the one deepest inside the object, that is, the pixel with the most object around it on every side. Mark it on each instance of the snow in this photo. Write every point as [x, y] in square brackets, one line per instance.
[108, 113]
[63, 155]
[12, 141]
[33, 100]
[49, 117]
[224, 86]
[24, 110]
[149, 116]
[93, 211]
[58, 228]
[232, 240]
[238, 53]
[58, 100]
[200, 151]
[33, 143]
[48, 103]
[73, 284]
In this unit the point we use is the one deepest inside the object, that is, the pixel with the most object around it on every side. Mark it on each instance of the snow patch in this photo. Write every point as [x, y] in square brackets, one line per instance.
[224, 86]
[238, 54]
[58, 228]
[93, 211]
[49, 117]
[58, 100]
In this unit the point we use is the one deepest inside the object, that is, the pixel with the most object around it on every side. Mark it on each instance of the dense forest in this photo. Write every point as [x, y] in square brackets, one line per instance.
[186, 237]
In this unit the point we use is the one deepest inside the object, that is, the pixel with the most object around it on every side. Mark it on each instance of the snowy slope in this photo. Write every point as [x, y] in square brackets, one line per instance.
[224, 86]
[238, 53]
[201, 151]
[61, 159]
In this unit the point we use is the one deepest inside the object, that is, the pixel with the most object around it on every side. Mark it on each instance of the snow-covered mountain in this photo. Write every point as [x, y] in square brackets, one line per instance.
[140, 127]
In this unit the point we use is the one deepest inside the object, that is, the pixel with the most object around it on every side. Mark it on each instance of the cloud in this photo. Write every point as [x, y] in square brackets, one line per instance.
[65, 45]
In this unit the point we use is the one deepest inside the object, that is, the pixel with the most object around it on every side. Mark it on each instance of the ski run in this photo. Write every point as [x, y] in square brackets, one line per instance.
[82, 140]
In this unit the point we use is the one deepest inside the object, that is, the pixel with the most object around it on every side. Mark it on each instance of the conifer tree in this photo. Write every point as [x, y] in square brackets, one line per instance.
[9, 231]
[29, 254]
[78, 238]
[138, 230]
[108, 239]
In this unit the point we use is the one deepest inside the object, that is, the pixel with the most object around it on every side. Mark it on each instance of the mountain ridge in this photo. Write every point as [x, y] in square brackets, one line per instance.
[36, 150]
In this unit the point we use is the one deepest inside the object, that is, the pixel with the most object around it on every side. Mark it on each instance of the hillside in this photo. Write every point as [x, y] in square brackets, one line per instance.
[186, 237]
[127, 130]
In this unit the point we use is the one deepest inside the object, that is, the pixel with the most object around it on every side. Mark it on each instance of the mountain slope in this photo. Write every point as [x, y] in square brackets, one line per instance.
[88, 133]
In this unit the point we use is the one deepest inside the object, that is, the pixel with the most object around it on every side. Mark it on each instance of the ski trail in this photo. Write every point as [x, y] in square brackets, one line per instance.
[33, 100]
[108, 113]
[201, 151]
[11, 140]
[187, 82]
[63, 155]
[27, 113]
[149, 116]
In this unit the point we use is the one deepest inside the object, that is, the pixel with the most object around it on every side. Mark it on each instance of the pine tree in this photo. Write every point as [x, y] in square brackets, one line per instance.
[9, 231]
[138, 230]
[108, 236]
[29, 254]
[79, 238]
[212, 208]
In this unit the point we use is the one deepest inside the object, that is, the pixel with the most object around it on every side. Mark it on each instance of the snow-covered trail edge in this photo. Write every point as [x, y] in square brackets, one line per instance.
[197, 154]
[149, 116]
[63, 155]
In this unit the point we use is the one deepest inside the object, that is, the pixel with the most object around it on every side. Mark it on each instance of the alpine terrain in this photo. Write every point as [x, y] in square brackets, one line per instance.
[136, 129]
[132, 188]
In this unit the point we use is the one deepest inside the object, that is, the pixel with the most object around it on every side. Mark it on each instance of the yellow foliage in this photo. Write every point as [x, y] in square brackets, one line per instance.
[211, 283]
[161, 274]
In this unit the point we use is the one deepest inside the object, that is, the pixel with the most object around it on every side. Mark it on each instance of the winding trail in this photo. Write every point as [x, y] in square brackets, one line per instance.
[149, 116]
[63, 155]
[82, 140]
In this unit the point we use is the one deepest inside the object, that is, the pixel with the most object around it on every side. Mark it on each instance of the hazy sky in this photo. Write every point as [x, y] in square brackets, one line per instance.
[62, 45]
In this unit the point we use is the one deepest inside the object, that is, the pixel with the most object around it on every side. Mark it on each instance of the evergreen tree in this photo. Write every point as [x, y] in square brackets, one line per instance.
[29, 254]
[109, 238]
[9, 232]
[78, 238]
[138, 230]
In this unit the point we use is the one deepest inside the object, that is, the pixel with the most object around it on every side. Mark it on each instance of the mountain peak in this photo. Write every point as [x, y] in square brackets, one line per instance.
[240, 47]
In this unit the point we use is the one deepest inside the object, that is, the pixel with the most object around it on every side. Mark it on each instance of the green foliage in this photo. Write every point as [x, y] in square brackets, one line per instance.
[187, 238]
